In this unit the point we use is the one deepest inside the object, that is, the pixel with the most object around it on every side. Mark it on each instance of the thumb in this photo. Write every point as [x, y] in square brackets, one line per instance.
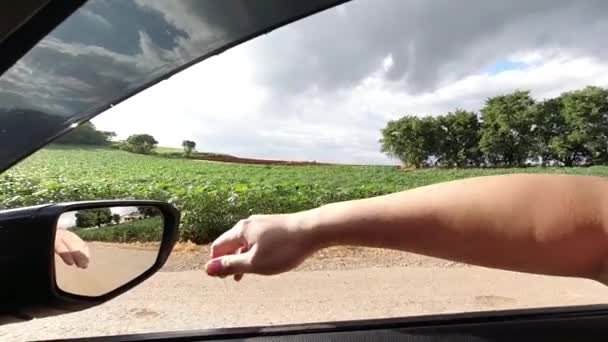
[229, 265]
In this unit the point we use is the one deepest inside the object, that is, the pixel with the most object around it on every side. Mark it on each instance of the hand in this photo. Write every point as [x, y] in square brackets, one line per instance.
[71, 248]
[261, 244]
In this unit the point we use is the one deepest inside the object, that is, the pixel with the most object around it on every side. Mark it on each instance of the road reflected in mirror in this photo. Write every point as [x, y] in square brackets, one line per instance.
[100, 249]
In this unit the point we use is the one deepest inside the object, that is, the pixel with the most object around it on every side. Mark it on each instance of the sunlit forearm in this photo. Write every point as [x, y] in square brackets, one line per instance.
[547, 224]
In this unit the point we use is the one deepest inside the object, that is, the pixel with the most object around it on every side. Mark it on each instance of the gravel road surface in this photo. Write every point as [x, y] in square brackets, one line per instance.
[337, 285]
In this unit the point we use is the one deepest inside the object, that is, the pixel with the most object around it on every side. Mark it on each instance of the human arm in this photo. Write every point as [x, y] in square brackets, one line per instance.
[548, 224]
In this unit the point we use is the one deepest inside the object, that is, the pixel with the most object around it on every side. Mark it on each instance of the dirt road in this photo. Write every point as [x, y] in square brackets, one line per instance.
[110, 266]
[177, 299]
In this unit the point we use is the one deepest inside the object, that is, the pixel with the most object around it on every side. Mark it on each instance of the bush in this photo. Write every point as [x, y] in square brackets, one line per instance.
[145, 230]
[139, 143]
[188, 146]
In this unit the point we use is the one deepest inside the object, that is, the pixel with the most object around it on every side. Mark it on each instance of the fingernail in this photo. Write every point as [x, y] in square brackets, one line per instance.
[214, 267]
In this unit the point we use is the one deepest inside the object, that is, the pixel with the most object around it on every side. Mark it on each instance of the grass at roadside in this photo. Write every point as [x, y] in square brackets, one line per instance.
[145, 230]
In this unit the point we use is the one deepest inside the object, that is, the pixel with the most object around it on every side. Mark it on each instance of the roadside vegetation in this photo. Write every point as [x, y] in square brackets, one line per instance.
[144, 230]
[213, 196]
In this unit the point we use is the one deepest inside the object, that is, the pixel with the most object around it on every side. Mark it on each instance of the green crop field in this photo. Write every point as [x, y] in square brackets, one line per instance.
[212, 196]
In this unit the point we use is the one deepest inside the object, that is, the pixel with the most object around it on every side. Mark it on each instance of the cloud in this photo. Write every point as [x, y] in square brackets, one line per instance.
[322, 89]
[319, 89]
[219, 104]
[67, 78]
[97, 19]
[431, 42]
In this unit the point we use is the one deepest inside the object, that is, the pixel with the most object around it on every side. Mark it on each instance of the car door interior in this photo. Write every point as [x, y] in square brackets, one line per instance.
[583, 323]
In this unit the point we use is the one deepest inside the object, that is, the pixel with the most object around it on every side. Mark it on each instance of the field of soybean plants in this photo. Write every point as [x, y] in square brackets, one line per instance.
[212, 196]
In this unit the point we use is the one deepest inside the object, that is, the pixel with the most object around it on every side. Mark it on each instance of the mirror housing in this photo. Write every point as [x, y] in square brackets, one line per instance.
[27, 259]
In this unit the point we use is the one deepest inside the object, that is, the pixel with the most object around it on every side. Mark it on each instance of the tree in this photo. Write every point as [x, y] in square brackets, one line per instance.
[548, 127]
[507, 129]
[93, 217]
[188, 146]
[140, 143]
[513, 130]
[458, 139]
[412, 140]
[148, 211]
[109, 135]
[392, 142]
[116, 218]
[86, 134]
[584, 136]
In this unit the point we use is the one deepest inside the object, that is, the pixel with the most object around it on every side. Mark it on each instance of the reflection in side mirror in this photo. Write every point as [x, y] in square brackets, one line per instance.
[100, 249]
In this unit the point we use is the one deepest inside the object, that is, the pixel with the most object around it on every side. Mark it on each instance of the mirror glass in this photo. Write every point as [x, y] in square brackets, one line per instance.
[98, 250]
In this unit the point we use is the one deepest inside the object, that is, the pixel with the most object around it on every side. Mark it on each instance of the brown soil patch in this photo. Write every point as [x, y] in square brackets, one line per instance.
[225, 158]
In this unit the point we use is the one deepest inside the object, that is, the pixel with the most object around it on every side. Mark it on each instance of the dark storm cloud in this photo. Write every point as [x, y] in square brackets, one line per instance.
[95, 56]
[117, 26]
[431, 42]
[109, 48]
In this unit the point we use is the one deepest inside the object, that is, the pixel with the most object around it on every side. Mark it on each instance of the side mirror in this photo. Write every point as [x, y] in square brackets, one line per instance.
[70, 256]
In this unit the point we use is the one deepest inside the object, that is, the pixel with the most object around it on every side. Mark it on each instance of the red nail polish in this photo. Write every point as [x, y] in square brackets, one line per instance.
[214, 267]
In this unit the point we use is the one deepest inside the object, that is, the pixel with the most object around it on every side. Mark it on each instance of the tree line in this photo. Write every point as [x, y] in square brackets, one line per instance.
[509, 131]
[98, 217]
[87, 134]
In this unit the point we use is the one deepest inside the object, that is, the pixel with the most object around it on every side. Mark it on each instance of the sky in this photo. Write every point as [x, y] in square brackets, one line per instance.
[322, 88]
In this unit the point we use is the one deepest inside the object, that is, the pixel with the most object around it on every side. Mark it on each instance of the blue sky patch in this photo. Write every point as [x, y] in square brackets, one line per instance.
[503, 65]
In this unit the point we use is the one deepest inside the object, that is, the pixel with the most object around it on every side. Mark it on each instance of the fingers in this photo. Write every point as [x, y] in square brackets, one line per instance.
[229, 242]
[239, 276]
[64, 253]
[81, 256]
[229, 265]
[78, 249]
[71, 249]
